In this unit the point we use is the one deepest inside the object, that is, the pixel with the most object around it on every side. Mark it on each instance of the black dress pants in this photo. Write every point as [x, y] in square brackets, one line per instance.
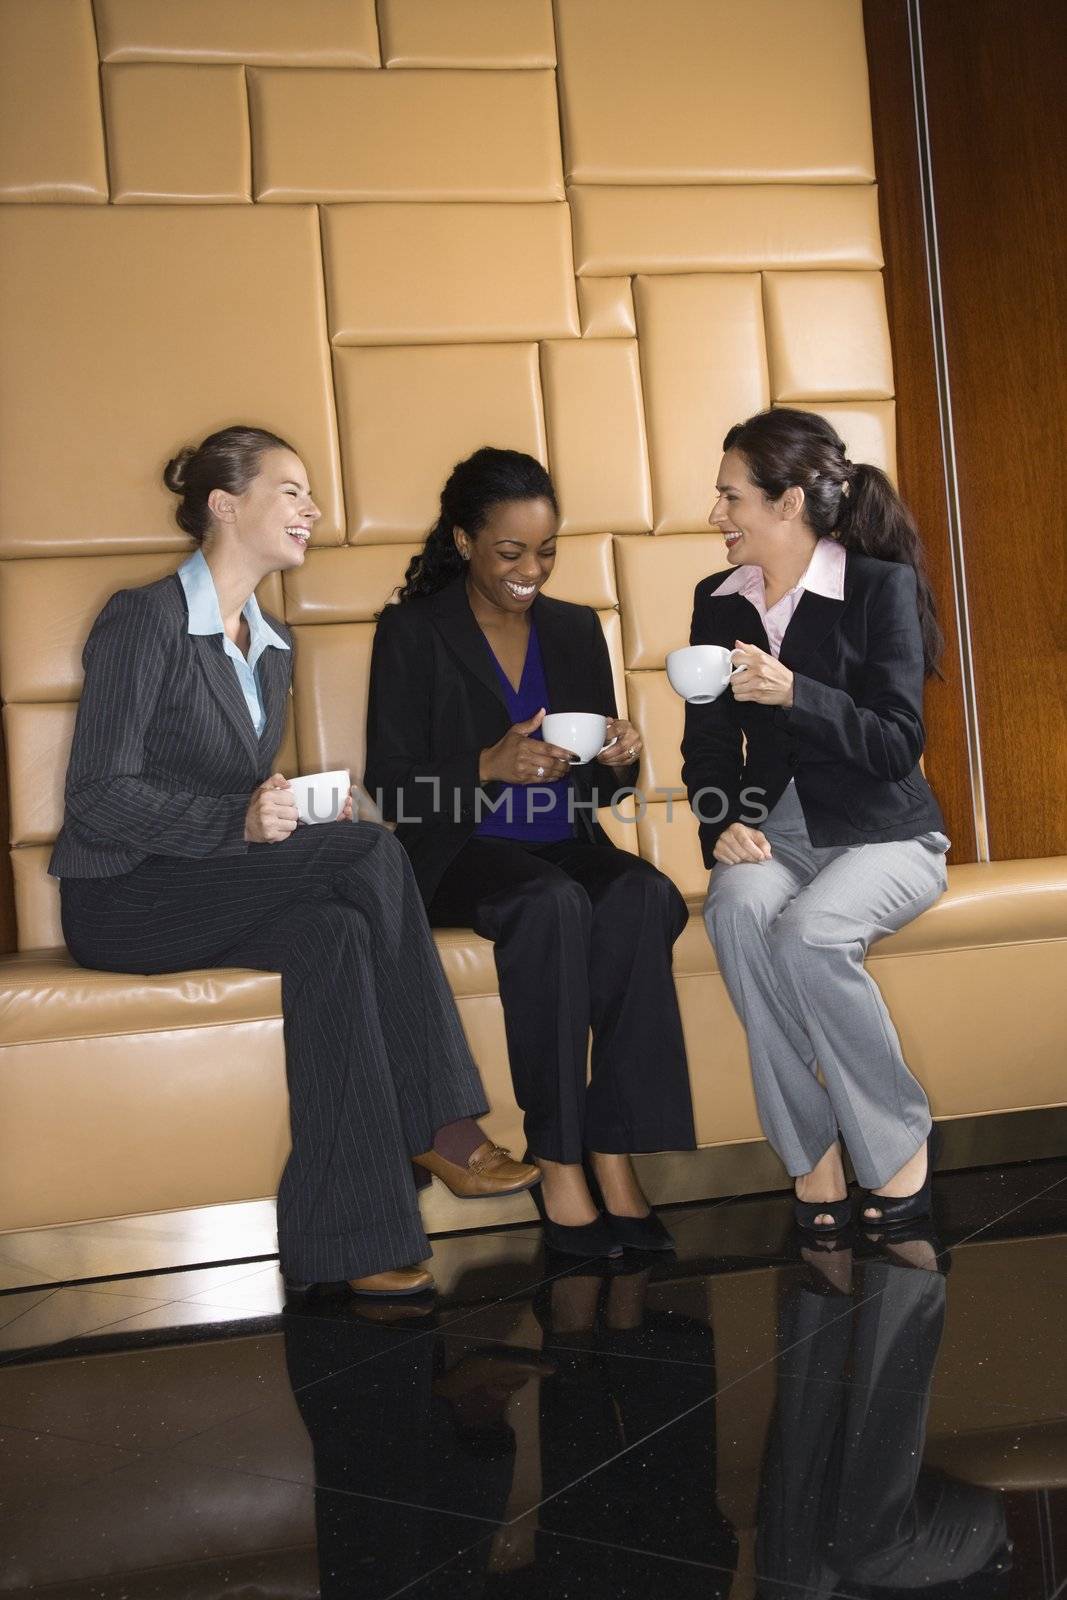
[397, 1469]
[582, 936]
[375, 1055]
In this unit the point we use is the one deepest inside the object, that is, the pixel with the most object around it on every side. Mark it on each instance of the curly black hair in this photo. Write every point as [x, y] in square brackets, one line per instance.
[488, 478]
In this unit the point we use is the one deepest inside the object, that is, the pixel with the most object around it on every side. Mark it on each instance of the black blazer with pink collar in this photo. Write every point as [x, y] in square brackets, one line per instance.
[854, 733]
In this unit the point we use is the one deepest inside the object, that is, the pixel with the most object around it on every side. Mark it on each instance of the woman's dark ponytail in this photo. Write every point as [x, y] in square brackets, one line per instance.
[874, 520]
[852, 502]
[488, 478]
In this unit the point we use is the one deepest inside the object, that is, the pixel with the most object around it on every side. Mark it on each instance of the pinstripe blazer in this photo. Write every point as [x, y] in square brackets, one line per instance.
[165, 757]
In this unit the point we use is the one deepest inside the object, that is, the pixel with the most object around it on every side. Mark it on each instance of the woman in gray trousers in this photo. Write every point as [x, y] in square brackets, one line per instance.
[821, 829]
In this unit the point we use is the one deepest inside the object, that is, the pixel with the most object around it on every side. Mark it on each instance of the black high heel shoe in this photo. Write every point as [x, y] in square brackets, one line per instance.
[899, 1210]
[639, 1233]
[633, 1233]
[806, 1211]
[587, 1241]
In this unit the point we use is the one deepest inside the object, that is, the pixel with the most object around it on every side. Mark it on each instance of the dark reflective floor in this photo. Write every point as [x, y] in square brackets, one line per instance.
[744, 1419]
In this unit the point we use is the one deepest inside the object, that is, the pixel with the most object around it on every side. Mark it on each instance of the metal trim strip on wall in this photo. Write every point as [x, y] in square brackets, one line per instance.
[948, 438]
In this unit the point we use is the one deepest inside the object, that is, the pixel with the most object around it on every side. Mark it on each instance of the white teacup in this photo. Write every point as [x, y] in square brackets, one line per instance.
[320, 796]
[700, 672]
[580, 731]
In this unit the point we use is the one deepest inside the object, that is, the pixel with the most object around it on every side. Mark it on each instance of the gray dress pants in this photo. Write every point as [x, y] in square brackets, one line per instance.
[790, 936]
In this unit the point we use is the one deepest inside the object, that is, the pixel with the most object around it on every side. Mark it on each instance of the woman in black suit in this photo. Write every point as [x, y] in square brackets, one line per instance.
[814, 813]
[179, 849]
[464, 669]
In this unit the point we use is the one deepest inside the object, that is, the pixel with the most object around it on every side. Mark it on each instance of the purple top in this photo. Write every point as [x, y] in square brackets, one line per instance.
[535, 813]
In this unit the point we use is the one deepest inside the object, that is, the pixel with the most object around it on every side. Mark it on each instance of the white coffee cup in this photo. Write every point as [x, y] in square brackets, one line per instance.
[700, 672]
[320, 796]
[580, 731]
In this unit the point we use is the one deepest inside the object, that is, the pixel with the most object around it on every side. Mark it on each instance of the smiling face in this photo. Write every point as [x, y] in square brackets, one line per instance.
[273, 519]
[511, 557]
[748, 521]
[758, 531]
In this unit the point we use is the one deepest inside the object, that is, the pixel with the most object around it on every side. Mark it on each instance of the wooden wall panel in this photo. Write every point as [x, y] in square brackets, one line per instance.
[998, 128]
[995, 111]
[920, 460]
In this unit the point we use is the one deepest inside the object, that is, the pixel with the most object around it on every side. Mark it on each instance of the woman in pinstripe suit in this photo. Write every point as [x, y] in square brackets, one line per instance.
[180, 850]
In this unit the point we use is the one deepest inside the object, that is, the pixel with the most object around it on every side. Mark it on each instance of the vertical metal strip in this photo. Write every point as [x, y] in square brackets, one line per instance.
[948, 438]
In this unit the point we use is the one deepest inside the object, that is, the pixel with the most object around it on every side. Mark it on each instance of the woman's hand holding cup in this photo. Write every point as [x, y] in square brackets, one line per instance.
[625, 744]
[271, 815]
[516, 758]
[763, 679]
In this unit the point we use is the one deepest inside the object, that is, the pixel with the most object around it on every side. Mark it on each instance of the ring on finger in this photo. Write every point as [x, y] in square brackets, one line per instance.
[540, 772]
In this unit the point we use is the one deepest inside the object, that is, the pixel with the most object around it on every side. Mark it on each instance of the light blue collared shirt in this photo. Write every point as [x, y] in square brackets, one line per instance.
[205, 617]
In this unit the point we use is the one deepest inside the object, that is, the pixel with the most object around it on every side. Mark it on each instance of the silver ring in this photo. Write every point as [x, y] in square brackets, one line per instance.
[540, 772]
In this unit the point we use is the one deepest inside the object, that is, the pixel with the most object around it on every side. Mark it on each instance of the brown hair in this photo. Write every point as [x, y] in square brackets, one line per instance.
[226, 460]
[850, 501]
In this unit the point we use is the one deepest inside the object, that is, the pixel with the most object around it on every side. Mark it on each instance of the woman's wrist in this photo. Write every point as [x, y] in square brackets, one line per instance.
[484, 760]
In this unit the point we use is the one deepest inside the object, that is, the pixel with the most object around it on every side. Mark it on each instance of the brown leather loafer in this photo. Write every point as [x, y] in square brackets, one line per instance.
[491, 1170]
[392, 1285]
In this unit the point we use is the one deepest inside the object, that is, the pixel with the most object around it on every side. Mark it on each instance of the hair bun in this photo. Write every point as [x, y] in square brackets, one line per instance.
[175, 472]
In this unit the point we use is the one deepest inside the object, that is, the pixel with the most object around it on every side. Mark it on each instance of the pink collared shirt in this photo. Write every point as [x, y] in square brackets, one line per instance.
[824, 575]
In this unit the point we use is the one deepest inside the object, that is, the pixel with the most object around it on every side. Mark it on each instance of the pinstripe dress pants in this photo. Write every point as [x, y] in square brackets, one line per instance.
[375, 1055]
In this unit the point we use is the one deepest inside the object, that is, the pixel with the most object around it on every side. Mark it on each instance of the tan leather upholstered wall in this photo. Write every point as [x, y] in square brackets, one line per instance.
[394, 233]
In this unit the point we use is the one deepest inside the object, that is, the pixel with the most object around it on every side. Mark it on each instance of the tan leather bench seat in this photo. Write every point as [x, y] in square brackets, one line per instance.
[988, 903]
[46, 996]
[991, 903]
[177, 1083]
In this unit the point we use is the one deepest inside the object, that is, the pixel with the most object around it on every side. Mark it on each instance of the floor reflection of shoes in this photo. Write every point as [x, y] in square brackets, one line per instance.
[478, 1388]
[491, 1170]
[916, 1246]
[392, 1313]
[500, 1371]
[830, 1268]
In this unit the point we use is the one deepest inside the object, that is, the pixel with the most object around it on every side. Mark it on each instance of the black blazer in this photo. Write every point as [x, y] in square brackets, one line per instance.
[165, 757]
[854, 733]
[435, 704]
